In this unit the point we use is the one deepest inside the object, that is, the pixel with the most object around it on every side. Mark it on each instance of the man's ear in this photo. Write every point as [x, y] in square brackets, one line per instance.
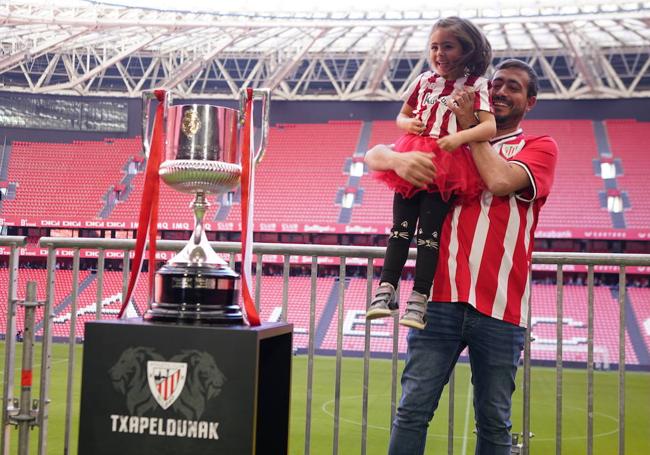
[530, 103]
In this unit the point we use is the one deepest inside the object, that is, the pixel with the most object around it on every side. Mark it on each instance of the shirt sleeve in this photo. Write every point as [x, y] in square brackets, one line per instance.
[538, 158]
[411, 94]
[482, 99]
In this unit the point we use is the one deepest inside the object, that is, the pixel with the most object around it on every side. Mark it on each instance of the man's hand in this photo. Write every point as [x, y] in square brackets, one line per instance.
[462, 105]
[451, 142]
[410, 124]
[417, 168]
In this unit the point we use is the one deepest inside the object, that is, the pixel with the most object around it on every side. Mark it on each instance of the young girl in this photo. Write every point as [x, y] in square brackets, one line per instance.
[459, 54]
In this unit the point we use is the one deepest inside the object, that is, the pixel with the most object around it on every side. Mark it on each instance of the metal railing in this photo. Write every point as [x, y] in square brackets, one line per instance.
[346, 255]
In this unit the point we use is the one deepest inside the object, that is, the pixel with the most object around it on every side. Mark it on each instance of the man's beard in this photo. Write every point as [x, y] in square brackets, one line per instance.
[513, 116]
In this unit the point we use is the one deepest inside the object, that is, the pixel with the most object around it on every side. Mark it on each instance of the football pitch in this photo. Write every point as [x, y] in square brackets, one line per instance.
[543, 416]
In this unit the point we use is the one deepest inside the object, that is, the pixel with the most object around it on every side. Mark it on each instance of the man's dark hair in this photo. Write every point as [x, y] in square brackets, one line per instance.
[533, 80]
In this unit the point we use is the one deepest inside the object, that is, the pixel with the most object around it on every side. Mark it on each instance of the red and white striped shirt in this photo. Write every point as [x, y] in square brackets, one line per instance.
[487, 243]
[428, 96]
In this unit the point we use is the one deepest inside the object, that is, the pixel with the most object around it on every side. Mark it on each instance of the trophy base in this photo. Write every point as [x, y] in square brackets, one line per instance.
[193, 294]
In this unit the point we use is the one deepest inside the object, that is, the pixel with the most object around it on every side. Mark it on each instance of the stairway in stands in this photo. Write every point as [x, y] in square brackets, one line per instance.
[605, 157]
[353, 190]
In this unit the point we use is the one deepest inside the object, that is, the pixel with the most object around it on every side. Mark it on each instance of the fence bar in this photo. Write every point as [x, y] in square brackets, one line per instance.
[126, 270]
[450, 423]
[525, 440]
[71, 351]
[590, 360]
[25, 418]
[46, 354]
[366, 361]
[339, 357]
[310, 352]
[559, 324]
[258, 281]
[100, 283]
[286, 268]
[10, 338]
[621, 361]
[394, 364]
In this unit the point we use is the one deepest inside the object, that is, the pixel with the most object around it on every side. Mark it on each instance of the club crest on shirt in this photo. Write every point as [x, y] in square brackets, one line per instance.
[510, 150]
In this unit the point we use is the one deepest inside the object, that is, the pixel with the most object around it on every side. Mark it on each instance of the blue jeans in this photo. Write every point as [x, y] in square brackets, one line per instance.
[494, 351]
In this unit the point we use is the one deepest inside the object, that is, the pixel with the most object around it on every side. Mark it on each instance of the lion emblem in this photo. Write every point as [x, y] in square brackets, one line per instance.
[190, 123]
[204, 381]
[129, 376]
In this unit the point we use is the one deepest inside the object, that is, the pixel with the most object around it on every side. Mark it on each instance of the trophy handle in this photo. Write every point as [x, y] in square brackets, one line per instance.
[148, 96]
[265, 95]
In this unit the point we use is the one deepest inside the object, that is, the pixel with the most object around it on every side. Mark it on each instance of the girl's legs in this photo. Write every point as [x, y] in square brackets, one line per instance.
[433, 210]
[432, 213]
[405, 217]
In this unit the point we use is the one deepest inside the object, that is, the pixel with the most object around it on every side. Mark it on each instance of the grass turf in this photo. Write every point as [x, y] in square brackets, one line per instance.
[321, 436]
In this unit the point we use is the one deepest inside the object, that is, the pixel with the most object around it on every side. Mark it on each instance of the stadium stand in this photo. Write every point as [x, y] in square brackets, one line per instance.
[51, 177]
[317, 153]
[625, 137]
[574, 175]
[575, 324]
[377, 200]
[640, 298]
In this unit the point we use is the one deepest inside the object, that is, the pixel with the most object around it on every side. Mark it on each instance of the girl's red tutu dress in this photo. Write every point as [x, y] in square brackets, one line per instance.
[456, 173]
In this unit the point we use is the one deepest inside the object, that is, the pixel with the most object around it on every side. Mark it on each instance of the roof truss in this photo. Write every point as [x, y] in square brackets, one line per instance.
[115, 51]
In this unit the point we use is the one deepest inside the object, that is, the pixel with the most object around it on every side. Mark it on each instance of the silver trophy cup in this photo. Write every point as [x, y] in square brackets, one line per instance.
[202, 156]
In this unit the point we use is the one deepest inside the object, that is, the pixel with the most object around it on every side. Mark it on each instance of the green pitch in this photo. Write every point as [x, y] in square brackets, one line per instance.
[543, 419]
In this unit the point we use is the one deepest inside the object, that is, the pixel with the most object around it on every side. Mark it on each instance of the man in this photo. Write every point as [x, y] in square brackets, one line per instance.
[481, 288]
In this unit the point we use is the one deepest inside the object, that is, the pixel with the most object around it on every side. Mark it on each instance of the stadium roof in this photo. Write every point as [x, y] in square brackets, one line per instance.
[586, 49]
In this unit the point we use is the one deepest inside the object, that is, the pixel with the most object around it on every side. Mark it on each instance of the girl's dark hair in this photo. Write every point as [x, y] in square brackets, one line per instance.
[477, 52]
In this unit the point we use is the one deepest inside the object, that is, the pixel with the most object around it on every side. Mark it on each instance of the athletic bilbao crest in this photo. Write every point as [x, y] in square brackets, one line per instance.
[183, 384]
[166, 381]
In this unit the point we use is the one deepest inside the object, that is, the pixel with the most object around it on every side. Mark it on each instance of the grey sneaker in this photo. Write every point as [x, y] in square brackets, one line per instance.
[383, 303]
[415, 315]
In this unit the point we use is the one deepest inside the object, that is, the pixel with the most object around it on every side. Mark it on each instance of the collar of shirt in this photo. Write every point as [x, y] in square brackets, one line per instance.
[506, 137]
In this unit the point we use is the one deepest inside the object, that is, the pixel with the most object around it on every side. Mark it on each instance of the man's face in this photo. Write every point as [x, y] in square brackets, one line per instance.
[510, 96]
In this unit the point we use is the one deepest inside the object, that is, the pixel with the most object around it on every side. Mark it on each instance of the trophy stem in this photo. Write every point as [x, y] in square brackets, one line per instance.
[197, 251]
[197, 285]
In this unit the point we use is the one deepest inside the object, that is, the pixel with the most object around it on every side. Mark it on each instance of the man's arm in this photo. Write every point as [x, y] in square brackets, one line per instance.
[500, 176]
[416, 168]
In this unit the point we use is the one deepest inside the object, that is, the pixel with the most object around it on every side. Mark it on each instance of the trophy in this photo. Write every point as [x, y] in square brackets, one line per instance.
[202, 156]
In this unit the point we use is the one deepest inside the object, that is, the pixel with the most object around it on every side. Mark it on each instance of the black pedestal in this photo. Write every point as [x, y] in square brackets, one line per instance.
[152, 388]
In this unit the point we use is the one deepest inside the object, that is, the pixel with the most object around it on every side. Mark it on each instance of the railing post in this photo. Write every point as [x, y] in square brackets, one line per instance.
[10, 351]
[26, 417]
[46, 354]
[24, 412]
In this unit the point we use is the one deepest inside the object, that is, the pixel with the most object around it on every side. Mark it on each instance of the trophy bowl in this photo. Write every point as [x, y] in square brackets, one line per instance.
[202, 156]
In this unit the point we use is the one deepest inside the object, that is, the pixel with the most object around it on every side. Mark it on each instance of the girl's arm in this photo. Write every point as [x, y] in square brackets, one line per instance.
[484, 130]
[407, 122]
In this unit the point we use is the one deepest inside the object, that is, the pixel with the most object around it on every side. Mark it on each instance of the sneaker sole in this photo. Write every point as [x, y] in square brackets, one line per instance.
[376, 314]
[412, 324]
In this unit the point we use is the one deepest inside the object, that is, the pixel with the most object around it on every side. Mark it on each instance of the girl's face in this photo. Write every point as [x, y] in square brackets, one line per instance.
[445, 53]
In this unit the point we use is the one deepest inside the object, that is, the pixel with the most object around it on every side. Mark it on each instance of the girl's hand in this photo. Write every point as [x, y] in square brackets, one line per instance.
[451, 142]
[462, 105]
[411, 125]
